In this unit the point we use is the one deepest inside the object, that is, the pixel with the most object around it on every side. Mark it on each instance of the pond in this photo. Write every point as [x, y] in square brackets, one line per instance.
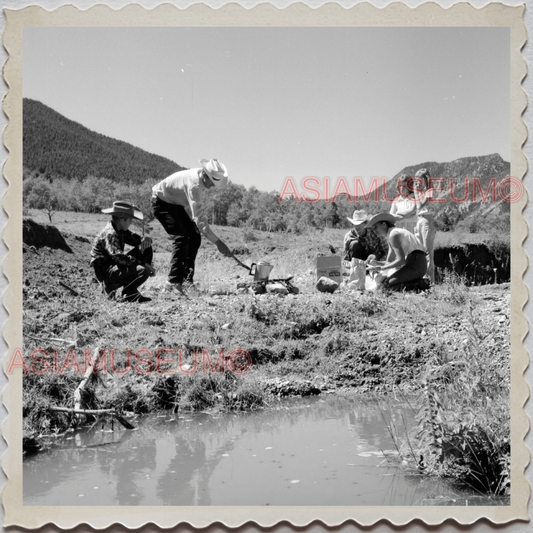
[314, 451]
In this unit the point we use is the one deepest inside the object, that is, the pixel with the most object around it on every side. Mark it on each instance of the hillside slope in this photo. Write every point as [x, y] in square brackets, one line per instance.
[59, 147]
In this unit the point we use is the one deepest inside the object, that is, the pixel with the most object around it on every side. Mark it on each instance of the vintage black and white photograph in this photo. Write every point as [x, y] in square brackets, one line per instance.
[266, 266]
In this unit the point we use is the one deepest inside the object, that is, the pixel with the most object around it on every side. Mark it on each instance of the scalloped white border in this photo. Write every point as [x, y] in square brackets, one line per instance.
[462, 14]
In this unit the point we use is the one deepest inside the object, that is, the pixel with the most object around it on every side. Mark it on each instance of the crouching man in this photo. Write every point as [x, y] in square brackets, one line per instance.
[362, 241]
[114, 268]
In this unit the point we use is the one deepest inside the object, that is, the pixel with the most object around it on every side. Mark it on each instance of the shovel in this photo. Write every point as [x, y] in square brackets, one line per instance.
[243, 265]
[258, 276]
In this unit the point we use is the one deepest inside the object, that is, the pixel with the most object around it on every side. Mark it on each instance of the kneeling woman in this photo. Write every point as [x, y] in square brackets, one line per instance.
[406, 254]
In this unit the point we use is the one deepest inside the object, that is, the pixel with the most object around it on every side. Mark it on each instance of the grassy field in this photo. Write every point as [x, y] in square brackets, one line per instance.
[447, 349]
[299, 252]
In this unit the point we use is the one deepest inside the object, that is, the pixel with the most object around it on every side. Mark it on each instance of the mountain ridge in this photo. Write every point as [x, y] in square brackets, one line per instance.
[60, 147]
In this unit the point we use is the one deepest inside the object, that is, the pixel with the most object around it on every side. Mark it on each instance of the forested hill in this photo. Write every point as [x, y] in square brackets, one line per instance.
[59, 147]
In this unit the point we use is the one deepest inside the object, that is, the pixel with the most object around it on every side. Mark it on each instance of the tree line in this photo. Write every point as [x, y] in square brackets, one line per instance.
[236, 205]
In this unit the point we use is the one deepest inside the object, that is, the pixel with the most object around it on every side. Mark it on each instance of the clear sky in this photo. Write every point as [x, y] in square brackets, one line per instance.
[277, 102]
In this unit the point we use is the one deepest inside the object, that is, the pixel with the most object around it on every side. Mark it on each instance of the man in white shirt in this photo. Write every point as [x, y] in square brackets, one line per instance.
[169, 199]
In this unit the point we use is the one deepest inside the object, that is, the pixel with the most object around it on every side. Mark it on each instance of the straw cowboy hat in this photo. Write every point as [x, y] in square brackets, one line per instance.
[123, 208]
[380, 217]
[358, 217]
[216, 171]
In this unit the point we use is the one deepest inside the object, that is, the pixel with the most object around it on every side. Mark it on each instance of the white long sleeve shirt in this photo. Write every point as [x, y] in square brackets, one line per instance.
[185, 188]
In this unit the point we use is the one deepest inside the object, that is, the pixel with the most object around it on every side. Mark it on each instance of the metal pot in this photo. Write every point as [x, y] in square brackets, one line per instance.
[261, 271]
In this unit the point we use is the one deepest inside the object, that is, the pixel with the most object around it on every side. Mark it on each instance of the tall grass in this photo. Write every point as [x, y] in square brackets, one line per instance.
[463, 422]
[227, 391]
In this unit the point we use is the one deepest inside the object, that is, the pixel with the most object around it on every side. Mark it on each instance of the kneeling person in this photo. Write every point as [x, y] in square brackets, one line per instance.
[406, 254]
[362, 241]
[114, 268]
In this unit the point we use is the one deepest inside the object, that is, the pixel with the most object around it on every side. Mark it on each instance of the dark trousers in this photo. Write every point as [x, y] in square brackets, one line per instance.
[354, 250]
[185, 236]
[415, 267]
[130, 277]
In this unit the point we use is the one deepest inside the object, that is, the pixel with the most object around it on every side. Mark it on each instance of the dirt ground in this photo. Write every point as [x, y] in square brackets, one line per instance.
[307, 343]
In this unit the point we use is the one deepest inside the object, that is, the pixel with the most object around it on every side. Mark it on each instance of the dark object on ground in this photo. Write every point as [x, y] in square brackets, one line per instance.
[40, 235]
[74, 292]
[261, 287]
[326, 285]
[418, 285]
[136, 298]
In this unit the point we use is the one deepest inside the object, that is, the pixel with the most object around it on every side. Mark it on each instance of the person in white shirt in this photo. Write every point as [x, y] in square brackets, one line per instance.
[406, 256]
[404, 207]
[425, 229]
[170, 197]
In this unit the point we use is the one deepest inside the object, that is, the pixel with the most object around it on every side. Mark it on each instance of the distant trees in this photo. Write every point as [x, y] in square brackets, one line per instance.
[40, 194]
[238, 206]
[89, 195]
[233, 206]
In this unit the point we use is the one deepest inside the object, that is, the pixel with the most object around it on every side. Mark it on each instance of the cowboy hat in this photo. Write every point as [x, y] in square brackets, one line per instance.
[359, 216]
[380, 217]
[216, 172]
[120, 207]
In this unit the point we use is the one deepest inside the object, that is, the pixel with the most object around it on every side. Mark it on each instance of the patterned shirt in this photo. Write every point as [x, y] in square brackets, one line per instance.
[371, 241]
[108, 247]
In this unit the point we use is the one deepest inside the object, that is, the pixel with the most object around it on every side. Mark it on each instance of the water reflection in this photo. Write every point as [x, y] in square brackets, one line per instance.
[323, 451]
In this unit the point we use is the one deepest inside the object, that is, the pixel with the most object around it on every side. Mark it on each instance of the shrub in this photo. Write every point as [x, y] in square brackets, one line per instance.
[40, 194]
[464, 422]
[248, 235]
[227, 391]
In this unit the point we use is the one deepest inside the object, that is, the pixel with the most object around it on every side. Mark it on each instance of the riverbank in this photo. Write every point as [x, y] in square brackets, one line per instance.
[166, 353]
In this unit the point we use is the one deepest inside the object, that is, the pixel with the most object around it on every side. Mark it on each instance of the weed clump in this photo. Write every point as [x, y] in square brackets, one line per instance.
[463, 424]
[226, 391]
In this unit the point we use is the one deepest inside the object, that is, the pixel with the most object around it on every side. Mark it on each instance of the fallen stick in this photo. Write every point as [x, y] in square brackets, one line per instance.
[66, 341]
[51, 339]
[78, 401]
[89, 375]
[82, 411]
[111, 412]
[76, 293]
[124, 422]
